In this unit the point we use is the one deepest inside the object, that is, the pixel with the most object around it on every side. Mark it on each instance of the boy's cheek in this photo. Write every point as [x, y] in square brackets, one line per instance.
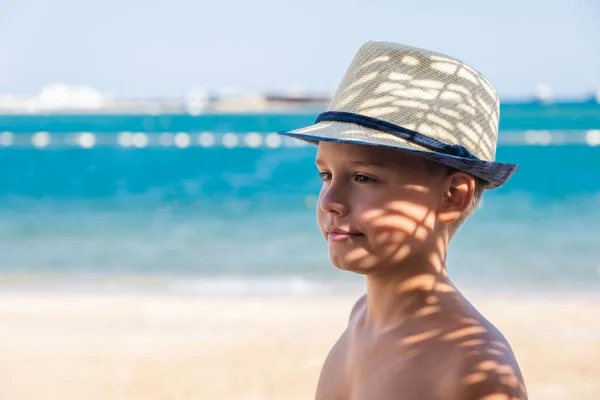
[321, 221]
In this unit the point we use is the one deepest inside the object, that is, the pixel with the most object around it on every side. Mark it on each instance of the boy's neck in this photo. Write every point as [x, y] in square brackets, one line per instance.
[393, 298]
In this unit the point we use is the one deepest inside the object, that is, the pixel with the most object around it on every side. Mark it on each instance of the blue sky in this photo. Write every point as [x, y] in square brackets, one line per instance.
[163, 48]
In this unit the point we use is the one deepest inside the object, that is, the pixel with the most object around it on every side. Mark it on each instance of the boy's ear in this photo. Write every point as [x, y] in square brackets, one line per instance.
[458, 192]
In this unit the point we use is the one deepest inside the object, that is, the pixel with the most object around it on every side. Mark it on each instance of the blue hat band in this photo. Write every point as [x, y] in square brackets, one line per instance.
[396, 130]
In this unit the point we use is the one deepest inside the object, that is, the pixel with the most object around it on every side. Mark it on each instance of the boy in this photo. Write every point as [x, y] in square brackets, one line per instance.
[405, 150]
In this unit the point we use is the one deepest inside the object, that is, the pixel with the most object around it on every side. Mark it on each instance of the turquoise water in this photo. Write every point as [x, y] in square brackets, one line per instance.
[218, 204]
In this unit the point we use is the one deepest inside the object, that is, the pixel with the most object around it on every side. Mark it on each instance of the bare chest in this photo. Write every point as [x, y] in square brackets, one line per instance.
[386, 370]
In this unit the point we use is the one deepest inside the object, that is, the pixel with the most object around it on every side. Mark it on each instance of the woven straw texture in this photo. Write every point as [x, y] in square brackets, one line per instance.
[421, 90]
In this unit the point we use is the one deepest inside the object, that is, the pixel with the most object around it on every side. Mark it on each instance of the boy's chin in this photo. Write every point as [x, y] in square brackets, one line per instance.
[365, 263]
[360, 265]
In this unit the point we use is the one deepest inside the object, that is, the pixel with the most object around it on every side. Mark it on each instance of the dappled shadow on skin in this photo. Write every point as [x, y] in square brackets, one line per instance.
[439, 346]
[414, 332]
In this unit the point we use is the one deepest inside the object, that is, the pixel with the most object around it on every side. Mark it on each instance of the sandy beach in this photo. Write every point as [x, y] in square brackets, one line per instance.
[141, 346]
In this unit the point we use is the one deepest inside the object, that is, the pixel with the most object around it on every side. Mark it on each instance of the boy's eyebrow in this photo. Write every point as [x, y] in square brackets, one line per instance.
[357, 162]
[366, 163]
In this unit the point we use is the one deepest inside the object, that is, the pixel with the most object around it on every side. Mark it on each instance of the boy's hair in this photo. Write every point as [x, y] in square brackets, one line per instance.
[480, 186]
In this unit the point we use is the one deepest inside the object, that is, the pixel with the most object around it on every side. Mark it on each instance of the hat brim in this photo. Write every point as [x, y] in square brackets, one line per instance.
[494, 173]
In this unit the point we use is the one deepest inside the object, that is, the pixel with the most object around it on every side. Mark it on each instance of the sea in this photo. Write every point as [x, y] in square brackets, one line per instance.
[220, 205]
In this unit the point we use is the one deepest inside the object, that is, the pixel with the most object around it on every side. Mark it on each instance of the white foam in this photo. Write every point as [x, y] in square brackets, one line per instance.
[86, 140]
[182, 140]
[253, 139]
[273, 140]
[230, 140]
[206, 139]
[125, 139]
[41, 139]
[7, 139]
[592, 138]
[543, 138]
[139, 139]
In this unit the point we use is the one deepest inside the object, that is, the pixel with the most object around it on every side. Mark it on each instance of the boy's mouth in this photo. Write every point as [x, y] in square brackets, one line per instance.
[337, 235]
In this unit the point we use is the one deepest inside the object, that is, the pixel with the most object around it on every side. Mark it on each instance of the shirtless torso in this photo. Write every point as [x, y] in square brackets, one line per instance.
[447, 351]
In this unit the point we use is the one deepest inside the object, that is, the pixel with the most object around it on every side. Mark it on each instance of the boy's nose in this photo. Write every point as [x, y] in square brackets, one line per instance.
[333, 201]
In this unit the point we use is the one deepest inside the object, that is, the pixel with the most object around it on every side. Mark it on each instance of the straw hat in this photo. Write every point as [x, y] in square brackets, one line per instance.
[416, 100]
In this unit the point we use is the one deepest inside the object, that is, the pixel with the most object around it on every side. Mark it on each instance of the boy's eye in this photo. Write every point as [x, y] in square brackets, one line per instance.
[325, 176]
[363, 179]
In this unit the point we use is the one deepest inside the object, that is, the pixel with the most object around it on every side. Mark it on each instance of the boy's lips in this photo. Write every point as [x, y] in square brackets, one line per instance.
[336, 234]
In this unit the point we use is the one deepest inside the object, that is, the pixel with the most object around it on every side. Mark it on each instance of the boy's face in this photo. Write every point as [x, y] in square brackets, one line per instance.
[377, 206]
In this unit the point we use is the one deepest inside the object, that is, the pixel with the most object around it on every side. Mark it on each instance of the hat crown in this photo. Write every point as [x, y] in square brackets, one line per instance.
[424, 91]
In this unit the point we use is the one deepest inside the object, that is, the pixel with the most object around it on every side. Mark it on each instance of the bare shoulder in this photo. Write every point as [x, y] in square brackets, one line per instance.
[452, 352]
[485, 363]
[489, 371]
[334, 381]
[358, 306]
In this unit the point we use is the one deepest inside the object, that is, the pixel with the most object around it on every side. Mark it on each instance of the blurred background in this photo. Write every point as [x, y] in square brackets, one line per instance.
[146, 201]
